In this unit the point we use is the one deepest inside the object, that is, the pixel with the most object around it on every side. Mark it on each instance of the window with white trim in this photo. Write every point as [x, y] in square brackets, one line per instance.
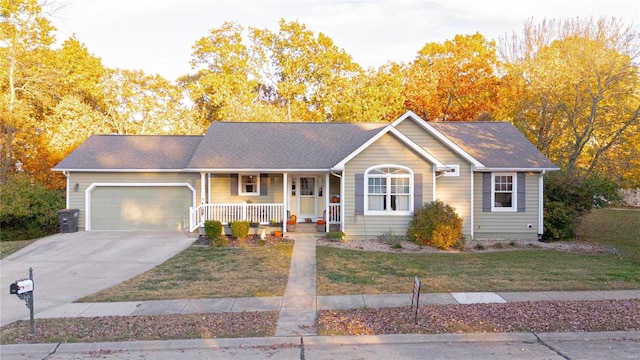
[249, 184]
[388, 190]
[503, 192]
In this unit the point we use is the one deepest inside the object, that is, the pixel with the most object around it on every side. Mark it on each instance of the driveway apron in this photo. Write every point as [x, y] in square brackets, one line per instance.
[298, 313]
[69, 266]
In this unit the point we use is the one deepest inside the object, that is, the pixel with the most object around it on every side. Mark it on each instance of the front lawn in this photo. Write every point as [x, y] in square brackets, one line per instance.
[343, 271]
[208, 272]
[9, 247]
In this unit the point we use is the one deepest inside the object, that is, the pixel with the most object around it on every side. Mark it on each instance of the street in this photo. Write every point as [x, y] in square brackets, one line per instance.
[606, 345]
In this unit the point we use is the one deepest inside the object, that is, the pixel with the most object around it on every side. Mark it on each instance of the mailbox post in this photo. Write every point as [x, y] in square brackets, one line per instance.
[24, 289]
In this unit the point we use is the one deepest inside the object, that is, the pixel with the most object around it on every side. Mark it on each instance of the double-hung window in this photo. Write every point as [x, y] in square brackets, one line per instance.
[389, 190]
[504, 190]
[249, 184]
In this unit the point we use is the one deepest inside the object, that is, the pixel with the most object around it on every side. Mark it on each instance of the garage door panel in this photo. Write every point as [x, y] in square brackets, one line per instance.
[140, 208]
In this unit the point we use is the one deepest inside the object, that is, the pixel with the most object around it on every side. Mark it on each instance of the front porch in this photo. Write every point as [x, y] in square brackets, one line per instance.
[261, 214]
[250, 197]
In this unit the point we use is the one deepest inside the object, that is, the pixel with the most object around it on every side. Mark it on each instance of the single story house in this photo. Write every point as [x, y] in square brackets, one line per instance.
[363, 178]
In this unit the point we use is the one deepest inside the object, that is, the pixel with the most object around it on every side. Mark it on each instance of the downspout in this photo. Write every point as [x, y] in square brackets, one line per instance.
[541, 205]
[472, 204]
[66, 175]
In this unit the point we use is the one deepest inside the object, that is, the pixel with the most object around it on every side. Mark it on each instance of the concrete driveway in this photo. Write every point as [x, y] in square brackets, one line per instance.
[69, 266]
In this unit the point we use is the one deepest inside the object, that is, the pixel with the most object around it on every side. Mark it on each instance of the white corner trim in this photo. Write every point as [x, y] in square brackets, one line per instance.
[89, 190]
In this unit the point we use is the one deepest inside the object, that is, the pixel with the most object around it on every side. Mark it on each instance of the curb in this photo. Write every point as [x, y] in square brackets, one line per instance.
[26, 349]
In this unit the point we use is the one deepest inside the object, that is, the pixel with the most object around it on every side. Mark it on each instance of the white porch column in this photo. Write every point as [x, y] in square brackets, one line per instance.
[342, 186]
[285, 200]
[327, 196]
[203, 188]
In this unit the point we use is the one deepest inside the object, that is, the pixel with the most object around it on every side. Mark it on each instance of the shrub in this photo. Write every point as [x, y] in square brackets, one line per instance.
[560, 220]
[221, 241]
[28, 210]
[240, 229]
[335, 235]
[213, 229]
[567, 197]
[391, 239]
[438, 225]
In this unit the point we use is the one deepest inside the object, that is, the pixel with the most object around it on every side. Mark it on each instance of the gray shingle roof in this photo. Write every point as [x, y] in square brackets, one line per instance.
[495, 144]
[233, 145]
[288, 146]
[119, 152]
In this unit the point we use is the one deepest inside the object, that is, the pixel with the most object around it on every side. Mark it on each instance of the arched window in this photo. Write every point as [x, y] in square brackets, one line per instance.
[388, 190]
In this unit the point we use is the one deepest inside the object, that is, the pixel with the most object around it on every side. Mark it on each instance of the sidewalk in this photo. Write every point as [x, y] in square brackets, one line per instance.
[278, 303]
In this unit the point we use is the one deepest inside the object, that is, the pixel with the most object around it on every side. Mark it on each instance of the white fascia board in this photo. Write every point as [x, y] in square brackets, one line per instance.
[340, 166]
[514, 169]
[120, 170]
[233, 171]
[408, 114]
[425, 125]
[386, 130]
[425, 154]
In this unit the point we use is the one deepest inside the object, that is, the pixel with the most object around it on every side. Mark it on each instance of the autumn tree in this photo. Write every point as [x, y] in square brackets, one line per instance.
[25, 37]
[373, 95]
[578, 91]
[138, 103]
[455, 80]
[226, 82]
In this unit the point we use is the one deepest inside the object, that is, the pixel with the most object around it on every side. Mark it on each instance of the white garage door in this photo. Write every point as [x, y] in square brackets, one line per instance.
[140, 207]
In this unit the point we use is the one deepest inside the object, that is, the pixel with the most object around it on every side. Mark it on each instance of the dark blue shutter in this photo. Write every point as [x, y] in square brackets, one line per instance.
[486, 192]
[417, 192]
[521, 192]
[359, 193]
[234, 185]
[264, 184]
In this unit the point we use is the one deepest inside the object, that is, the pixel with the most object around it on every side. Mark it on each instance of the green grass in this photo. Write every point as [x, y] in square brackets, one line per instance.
[354, 272]
[618, 228]
[208, 272]
[9, 247]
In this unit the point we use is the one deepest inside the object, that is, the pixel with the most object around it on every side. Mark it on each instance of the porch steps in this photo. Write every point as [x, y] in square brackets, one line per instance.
[307, 228]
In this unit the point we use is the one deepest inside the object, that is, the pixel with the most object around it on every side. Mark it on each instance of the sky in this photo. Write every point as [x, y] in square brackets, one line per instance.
[157, 35]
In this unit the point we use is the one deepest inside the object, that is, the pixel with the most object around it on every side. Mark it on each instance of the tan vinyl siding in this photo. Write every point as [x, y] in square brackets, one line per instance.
[452, 190]
[508, 225]
[85, 180]
[220, 190]
[387, 150]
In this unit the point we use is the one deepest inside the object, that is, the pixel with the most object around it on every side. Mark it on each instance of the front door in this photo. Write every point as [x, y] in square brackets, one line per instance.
[307, 198]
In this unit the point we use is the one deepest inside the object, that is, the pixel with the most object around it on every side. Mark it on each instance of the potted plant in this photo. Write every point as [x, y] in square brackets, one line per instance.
[291, 223]
[321, 225]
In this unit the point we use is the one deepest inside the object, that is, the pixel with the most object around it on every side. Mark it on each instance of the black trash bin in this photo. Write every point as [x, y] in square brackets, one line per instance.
[68, 220]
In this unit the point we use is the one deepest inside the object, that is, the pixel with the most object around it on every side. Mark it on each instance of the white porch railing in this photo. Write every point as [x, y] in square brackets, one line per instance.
[226, 213]
[334, 214]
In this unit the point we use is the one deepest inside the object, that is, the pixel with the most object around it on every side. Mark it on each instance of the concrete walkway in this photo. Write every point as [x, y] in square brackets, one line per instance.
[298, 312]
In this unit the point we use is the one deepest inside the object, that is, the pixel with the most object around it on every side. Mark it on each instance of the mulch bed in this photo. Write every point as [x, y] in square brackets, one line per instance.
[250, 241]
